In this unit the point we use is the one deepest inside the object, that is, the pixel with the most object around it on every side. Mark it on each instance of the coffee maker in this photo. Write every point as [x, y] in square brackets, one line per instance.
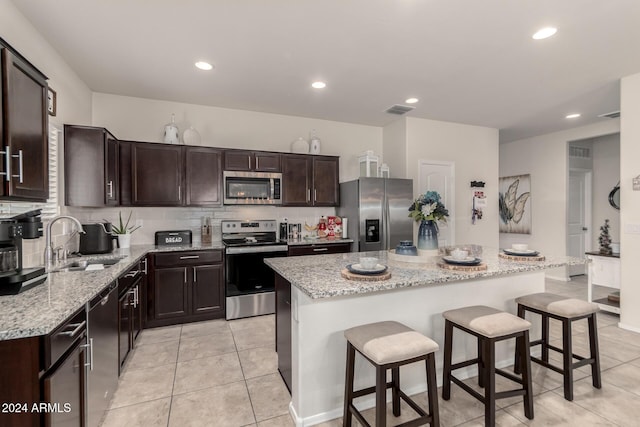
[13, 278]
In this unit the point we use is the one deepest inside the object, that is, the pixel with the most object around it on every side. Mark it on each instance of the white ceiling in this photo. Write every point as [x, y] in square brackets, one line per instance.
[469, 61]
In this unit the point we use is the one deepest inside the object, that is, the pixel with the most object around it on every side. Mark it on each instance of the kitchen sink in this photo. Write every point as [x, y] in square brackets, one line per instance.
[82, 265]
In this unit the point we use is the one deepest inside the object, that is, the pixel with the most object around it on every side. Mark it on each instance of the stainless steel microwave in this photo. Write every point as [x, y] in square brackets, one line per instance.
[252, 188]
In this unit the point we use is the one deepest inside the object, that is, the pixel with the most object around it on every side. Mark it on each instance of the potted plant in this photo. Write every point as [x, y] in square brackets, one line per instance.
[123, 231]
[427, 210]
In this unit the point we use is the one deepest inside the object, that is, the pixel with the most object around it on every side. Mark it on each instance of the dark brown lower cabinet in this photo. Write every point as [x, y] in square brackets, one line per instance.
[283, 329]
[185, 287]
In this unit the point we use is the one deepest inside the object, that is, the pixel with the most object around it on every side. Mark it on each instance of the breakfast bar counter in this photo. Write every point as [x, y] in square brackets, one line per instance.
[323, 304]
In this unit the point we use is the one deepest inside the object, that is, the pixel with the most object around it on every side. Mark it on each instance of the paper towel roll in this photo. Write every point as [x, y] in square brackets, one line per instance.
[344, 228]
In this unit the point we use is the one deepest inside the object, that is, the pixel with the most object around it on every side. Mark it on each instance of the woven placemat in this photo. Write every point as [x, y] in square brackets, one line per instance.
[521, 258]
[479, 267]
[365, 277]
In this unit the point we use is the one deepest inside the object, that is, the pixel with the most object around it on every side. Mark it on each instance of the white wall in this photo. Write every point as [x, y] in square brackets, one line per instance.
[73, 95]
[629, 202]
[144, 119]
[545, 158]
[474, 150]
[394, 150]
[606, 174]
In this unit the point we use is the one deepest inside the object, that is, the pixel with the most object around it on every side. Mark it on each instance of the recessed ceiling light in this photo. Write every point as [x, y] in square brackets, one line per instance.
[573, 116]
[544, 33]
[204, 65]
[411, 100]
[318, 85]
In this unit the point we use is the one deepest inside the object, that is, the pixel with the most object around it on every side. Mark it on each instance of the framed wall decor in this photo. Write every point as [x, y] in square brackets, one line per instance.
[514, 199]
[51, 102]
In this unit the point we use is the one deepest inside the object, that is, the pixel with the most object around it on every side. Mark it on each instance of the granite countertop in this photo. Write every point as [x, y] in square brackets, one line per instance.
[318, 241]
[41, 309]
[319, 277]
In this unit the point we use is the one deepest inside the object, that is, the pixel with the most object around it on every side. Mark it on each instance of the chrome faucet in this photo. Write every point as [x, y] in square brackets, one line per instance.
[48, 250]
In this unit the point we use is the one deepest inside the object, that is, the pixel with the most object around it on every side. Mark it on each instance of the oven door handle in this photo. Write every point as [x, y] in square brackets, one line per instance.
[256, 249]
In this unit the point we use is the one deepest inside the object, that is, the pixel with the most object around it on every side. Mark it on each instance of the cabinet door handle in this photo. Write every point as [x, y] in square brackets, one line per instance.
[185, 275]
[315, 195]
[308, 194]
[249, 157]
[145, 265]
[195, 275]
[320, 249]
[257, 162]
[110, 187]
[7, 163]
[179, 193]
[20, 166]
[190, 257]
[90, 347]
[78, 327]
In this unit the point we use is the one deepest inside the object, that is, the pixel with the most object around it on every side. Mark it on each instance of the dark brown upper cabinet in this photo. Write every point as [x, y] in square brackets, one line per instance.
[156, 174]
[91, 172]
[257, 161]
[203, 169]
[310, 180]
[24, 168]
[169, 175]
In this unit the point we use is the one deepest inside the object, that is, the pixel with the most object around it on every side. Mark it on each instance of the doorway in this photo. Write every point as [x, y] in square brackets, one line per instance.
[579, 233]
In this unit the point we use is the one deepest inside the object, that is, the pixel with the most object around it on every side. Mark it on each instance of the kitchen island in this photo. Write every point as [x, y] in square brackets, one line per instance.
[323, 304]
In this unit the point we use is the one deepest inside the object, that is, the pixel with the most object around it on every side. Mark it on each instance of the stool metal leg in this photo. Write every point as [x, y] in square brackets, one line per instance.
[545, 338]
[567, 359]
[432, 390]
[480, 363]
[595, 352]
[489, 360]
[395, 396]
[517, 368]
[525, 362]
[348, 385]
[446, 371]
[381, 396]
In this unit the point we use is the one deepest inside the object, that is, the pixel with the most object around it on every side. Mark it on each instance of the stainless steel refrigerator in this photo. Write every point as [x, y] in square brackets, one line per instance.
[377, 210]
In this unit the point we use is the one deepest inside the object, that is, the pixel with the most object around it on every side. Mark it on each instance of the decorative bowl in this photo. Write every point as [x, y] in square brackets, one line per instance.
[406, 247]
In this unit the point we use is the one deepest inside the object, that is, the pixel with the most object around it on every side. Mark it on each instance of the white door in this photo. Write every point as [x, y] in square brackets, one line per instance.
[577, 218]
[440, 177]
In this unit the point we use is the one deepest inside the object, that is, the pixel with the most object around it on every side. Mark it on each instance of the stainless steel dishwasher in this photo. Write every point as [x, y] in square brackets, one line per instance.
[102, 340]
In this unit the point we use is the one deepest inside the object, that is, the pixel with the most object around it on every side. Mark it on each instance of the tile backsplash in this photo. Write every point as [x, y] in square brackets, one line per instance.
[158, 218]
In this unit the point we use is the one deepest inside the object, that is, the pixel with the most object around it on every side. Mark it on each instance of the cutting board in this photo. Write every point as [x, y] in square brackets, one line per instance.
[521, 258]
[467, 268]
[365, 277]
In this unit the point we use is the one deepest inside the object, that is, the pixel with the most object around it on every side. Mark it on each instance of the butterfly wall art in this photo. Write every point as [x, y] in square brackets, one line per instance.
[514, 201]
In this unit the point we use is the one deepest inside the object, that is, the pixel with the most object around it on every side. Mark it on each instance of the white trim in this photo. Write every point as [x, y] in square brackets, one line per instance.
[558, 278]
[628, 327]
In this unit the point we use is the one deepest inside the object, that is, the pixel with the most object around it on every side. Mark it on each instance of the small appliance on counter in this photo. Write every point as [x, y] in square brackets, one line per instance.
[173, 238]
[13, 278]
[97, 239]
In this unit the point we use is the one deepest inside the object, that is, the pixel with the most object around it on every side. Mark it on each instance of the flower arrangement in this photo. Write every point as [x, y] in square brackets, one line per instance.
[124, 228]
[428, 207]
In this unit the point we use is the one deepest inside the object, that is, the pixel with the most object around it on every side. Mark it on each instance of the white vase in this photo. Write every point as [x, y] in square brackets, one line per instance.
[124, 241]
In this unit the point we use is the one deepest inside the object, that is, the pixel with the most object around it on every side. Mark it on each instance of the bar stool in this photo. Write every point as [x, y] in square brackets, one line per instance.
[389, 345]
[489, 326]
[565, 310]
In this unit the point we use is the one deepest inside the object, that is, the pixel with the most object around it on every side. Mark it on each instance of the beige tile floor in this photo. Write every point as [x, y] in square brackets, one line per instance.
[221, 373]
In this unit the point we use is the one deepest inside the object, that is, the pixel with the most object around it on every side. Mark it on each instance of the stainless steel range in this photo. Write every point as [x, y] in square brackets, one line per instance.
[250, 284]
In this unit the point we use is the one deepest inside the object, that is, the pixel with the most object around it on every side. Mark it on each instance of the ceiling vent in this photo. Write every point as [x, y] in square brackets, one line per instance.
[399, 109]
[611, 115]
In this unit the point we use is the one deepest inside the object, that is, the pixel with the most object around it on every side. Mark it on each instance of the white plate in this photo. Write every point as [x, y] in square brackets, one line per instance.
[359, 269]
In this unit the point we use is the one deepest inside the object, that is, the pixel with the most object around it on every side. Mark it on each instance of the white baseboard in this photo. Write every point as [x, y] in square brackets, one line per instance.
[558, 278]
[628, 327]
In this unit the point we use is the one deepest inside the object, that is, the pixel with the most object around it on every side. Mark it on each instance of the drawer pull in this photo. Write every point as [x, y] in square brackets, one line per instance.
[78, 327]
[320, 249]
[132, 274]
[190, 257]
[195, 275]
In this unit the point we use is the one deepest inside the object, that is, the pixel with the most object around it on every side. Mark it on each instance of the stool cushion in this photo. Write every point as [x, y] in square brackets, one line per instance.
[558, 305]
[389, 342]
[487, 321]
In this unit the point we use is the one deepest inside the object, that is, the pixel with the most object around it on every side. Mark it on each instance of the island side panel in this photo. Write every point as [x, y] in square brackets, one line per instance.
[319, 348]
